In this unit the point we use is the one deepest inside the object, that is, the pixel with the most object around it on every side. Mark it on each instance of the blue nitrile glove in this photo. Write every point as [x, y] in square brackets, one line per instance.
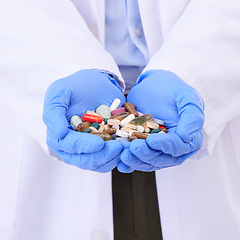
[74, 95]
[168, 98]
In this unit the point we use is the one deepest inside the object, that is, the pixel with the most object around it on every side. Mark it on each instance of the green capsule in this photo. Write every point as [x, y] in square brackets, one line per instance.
[105, 120]
[88, 130]
[142, 120]
[156, 130]
[96, 125]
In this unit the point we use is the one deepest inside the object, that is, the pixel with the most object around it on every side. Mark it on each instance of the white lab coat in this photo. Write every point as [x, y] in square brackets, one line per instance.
[43, 198]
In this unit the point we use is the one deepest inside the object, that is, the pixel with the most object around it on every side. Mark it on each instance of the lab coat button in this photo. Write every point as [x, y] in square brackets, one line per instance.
[138, 31]
[99, 235]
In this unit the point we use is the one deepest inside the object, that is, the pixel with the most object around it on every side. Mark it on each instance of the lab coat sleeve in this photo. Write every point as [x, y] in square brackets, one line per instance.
[42, 41]
[203, 48]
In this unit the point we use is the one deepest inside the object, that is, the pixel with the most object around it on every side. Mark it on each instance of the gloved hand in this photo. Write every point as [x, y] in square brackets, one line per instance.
[166, 97]
[74, 95]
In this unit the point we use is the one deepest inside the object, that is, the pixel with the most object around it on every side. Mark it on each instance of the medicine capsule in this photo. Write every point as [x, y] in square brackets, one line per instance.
[163, 129]
[106, 127]
[152, 125]
[131, 104]
[140, 128]
[75, 121]
[88, 130]
[101, 128]
[140, 135]
[122, 134]
[93, 129]
[142, 120]
[147, 129]
[92, 113]
[105, 120]
[128, 125]
[115, 104]
[118, 110]
[120, 116]
[96, 125]
[111, 131]
[91, 118]
[156, 130]
[113, 121]
[127, 119]
[126, 129]
[130, 109]
[131, 138]
[104, 136]
[121, 139]
[116, 126]
[83, 126]
[158, 121]
[130, 133]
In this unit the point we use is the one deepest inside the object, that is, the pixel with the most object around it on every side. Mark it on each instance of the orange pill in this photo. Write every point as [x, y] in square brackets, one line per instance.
[91, 118]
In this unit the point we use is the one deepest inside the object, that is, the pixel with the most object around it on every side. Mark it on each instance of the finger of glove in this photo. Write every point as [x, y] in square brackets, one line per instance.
[142, 151]
[172, 144]
[133, 162]
[125, 144]
[109, 166]
[164, 160]
[89, 90]
[75, 142]
[123, 168]
[54, 110]
[190, 107]
[158, 159]
[98, 88]
[91, 161]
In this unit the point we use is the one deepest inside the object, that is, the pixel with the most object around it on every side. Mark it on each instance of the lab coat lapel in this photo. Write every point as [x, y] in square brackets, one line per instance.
[151, 24]
[99, 10]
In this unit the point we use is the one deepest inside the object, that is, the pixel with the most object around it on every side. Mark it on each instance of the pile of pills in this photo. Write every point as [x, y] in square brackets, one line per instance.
[122, 124]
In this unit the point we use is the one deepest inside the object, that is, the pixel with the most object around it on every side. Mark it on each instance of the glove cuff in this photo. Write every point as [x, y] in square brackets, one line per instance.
[112, 77]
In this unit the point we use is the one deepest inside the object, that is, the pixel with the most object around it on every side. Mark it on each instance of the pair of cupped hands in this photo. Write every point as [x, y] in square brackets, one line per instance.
[160, 93]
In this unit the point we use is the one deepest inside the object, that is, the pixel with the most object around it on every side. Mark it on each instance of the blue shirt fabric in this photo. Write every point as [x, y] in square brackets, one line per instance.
[124, 35]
